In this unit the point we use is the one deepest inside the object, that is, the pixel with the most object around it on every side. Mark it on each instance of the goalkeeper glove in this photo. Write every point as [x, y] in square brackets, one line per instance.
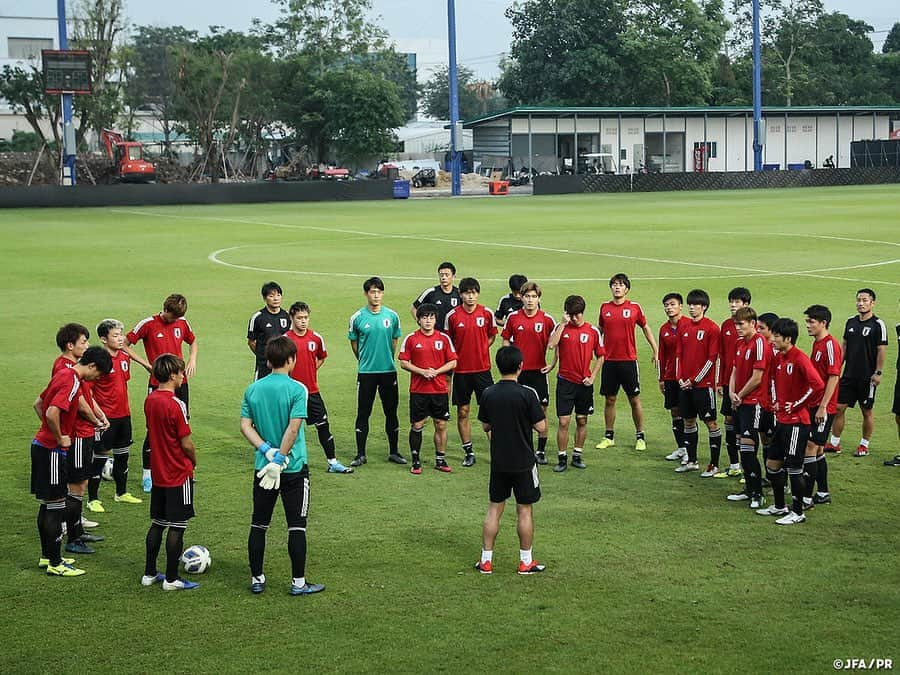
[270, 476]
[272, 454]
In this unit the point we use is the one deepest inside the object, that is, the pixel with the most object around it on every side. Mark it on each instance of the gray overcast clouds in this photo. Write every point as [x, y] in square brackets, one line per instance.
[416, 25]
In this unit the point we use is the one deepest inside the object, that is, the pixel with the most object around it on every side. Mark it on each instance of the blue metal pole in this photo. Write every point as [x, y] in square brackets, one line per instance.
[455, 168]
[68, 135]
[757, 90]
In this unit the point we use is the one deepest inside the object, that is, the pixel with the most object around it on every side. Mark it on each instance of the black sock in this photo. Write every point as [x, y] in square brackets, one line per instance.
[440, 458]
[42, 515]
[120, 472]
[297, 551]
[74, 528]
[415, 443]
[96, 476]
[715, 446]
[639, 435]
[678, 431]
[542, 444]
[174, 549]
[467, 447]
[798, 489]
[822, 474]
[810, 469]
[691, 436]
[51, 531]
[610, 434]
[256, 549]
[776, 479]
[326, 440]
[562, 457]
[731, 444]
[752, 470]
[154, 543]
[145, 454]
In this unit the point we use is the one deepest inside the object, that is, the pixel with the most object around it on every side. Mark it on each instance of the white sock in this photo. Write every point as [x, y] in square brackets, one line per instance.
[821, 494]
[734, 466]
[864, 442]
[835, 440]
[525, 556]
[299, 581]
[261, 579]
[486, 556]
[146, 473]
[576, 451]
[332, 461]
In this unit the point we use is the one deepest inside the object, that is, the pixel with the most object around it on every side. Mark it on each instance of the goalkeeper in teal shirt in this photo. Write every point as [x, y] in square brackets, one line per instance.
[272, 415]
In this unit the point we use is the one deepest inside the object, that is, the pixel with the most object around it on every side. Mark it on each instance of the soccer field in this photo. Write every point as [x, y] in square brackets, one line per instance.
[647, 570]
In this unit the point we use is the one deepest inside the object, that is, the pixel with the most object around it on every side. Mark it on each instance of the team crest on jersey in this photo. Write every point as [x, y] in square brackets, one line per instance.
[124, 366]
[386, 323]
[790, 369]
[479, 321]
[454, 302]
[626, 313]
[539, 327]
[583, 338]
[746, 356]
[311, 346]
[818, 356]
[177, 332]
[866, 331]
[701, 334]
[439, 344]
[283, 323]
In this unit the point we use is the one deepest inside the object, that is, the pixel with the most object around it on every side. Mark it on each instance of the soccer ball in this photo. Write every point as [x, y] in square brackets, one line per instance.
[107, 472]
[196, 559]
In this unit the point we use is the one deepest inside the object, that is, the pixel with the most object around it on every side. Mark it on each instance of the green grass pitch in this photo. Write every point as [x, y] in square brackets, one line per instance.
[647, 571]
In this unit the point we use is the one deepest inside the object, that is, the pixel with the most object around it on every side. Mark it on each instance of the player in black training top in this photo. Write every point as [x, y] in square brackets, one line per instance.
[269, 322]
[445, 296]
[865, 348]
[512, 301]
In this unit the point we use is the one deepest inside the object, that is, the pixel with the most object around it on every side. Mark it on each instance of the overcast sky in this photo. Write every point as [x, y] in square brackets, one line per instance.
[483, 32]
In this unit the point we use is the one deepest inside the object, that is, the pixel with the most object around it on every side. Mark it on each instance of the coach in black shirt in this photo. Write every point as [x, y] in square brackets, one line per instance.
[509, 412]
[865, 349]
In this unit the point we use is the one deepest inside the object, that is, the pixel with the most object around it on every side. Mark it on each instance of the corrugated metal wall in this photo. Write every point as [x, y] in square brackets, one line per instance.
[491, 140]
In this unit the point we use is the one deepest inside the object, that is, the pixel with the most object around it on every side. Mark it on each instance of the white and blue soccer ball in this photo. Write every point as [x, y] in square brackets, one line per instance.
[196, 559]
[107, 472]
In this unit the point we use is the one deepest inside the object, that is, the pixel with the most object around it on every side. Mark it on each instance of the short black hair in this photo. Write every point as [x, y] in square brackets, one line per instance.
[279, 350]
[768, 318]
[698, 297]
[786, 328]
[739, 293]
[469, 284]
[573, 305]
[166, 366]
[373, 282]
[99, 357]
[673, 296]
[298, 307]
[270, 286]
[622, 278]
[426, 309]
[107, 325]
[819, 313]
[516, 281]
[508, 359]
[867, 290]
[70, 333]
[447, 266]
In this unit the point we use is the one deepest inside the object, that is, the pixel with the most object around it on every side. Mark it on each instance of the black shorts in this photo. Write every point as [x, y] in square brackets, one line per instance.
[896, 408]
[789, 444]
[182, 394]
[573, 395]
[172, 506]
[671, 392]
[466, 383]
[748, 420]
[117, 439]
[315, 410]
[524, 484]
[699, 403]
[818, 433]
[767, 423]
[423, 406]
[80, 459]
[294, 492]
[854, 389]
[615, 374]
[537, 381]
[726, 409]
[49, 480]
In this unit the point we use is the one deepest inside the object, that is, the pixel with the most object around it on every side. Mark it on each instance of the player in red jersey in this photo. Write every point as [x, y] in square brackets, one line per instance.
[174, 459]
[617, 322]
[827, 358]
[57, 409]
[311, 355]
[473, 329]
[668, 382]
[747, 387]
[427, 355]
[529, 329]
[164, 333]
[695, 368]
[796, 384]
[728, 339]
[577, 343]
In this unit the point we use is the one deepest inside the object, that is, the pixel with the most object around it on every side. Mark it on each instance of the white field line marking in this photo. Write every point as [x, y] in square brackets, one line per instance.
[747, 271]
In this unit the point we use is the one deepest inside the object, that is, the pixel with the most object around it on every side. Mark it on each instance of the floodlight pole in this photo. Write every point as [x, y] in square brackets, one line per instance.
[68, 131]
[455, 188]
[757, 92]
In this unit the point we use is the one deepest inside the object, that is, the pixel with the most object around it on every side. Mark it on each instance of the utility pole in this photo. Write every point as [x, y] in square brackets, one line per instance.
[455, 127]
[68, 131]
[758, 131]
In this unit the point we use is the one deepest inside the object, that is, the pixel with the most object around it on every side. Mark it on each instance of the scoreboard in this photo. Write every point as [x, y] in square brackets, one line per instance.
[66, 72]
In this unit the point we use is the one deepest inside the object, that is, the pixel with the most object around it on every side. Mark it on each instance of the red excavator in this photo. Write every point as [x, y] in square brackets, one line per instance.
[129, 165]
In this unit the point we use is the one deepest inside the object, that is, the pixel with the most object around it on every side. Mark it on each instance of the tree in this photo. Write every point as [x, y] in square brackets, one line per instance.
[565, 52]
[436, 94]
[24, 91]
[892, 41]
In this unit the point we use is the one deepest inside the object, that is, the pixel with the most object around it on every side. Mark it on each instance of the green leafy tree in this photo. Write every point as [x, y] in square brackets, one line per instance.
[436, 94]
[892, 41]
[888, 68]
[24, 91]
